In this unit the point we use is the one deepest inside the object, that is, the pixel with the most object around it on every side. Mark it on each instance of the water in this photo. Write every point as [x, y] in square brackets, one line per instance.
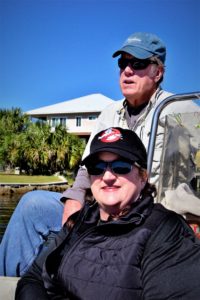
[9, 201]
[7, 206]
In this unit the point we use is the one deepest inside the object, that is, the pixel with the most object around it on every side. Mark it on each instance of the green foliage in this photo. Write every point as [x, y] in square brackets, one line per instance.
[34, 148]
[12, 123]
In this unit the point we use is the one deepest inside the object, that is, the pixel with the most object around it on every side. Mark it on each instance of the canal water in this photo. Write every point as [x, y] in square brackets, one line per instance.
[9, 201]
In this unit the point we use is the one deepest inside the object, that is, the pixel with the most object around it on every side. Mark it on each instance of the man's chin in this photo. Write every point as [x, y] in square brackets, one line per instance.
[129, 93]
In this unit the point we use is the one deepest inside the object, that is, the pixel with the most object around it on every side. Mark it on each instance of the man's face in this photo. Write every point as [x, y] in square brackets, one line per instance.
[114, 192]
[138, 86]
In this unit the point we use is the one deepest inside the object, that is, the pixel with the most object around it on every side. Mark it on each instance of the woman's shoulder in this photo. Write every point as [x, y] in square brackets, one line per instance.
[168, 224]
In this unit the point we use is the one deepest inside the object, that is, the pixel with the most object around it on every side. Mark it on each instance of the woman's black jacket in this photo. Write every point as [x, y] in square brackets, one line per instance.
[150, 253]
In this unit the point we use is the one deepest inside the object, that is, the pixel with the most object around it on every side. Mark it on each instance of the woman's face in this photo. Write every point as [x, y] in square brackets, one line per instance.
[114, 192]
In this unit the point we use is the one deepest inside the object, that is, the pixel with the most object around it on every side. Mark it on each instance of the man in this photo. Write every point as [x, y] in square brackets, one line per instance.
[39, 214]
[141, 64]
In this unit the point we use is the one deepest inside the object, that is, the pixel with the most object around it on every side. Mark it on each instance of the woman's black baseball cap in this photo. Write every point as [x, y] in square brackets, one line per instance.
[123, 142]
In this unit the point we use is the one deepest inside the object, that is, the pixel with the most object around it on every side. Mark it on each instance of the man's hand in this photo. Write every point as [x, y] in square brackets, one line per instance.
[71, 206]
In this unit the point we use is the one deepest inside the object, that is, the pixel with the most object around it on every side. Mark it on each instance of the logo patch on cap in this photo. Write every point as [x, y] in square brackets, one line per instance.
[110, 135]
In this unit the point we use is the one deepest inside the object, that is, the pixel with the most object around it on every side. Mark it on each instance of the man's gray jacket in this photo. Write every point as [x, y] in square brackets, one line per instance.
[114, 116]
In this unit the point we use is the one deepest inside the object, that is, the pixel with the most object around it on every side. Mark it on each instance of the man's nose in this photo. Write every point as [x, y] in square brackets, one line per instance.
[129, 69]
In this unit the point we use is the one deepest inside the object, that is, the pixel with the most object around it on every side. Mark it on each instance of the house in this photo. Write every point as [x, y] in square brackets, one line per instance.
[77, 115]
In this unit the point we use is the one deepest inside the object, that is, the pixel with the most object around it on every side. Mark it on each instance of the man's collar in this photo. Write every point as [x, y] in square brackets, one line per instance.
[136, 110]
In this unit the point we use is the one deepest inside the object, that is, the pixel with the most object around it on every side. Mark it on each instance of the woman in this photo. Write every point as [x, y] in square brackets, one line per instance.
[121, 245]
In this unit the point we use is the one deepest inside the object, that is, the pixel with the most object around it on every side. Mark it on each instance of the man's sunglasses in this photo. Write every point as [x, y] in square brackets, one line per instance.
[136, 64]
[118, 167]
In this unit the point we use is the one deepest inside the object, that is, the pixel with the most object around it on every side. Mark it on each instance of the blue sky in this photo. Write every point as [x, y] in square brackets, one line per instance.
[56, 50]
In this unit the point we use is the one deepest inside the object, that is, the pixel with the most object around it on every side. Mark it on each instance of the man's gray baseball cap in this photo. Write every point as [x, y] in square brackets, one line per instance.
[143, 45]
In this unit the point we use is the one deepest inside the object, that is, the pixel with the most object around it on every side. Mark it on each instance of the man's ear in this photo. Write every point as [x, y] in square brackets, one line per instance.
[159, 71]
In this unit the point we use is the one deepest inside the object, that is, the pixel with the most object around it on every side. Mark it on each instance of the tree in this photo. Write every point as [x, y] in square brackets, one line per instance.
[66, 150]
[12, 123]
[34, 148]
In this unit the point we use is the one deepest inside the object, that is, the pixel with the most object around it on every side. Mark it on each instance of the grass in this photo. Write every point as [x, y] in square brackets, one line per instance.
[11, 178]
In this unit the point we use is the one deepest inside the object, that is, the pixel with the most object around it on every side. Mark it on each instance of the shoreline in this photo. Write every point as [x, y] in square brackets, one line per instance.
[8, 189]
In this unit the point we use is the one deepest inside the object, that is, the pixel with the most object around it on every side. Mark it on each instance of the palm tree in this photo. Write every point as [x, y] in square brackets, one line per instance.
[77, 147]
[66, 150]
[34, 148]
[12, 123]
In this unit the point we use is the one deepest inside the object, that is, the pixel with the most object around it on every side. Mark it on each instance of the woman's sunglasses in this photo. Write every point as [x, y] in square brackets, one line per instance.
[136, 64]
[118, 167]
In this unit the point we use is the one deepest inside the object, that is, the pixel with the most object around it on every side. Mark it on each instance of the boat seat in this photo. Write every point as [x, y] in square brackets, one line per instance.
[7, 287]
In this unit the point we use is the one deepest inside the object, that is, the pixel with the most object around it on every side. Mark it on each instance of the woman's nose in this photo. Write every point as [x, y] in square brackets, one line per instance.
[109, 174]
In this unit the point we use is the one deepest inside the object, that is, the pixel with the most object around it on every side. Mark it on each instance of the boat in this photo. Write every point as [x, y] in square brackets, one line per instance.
[181, 134]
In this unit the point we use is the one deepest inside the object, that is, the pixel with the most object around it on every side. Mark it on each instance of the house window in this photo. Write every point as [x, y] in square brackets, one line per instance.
[92, 117]
[58, 121]
[55, 122]
[63, 122]
[78, 121]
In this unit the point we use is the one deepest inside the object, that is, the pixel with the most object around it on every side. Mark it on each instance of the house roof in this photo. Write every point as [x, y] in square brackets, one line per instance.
[90, 103]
